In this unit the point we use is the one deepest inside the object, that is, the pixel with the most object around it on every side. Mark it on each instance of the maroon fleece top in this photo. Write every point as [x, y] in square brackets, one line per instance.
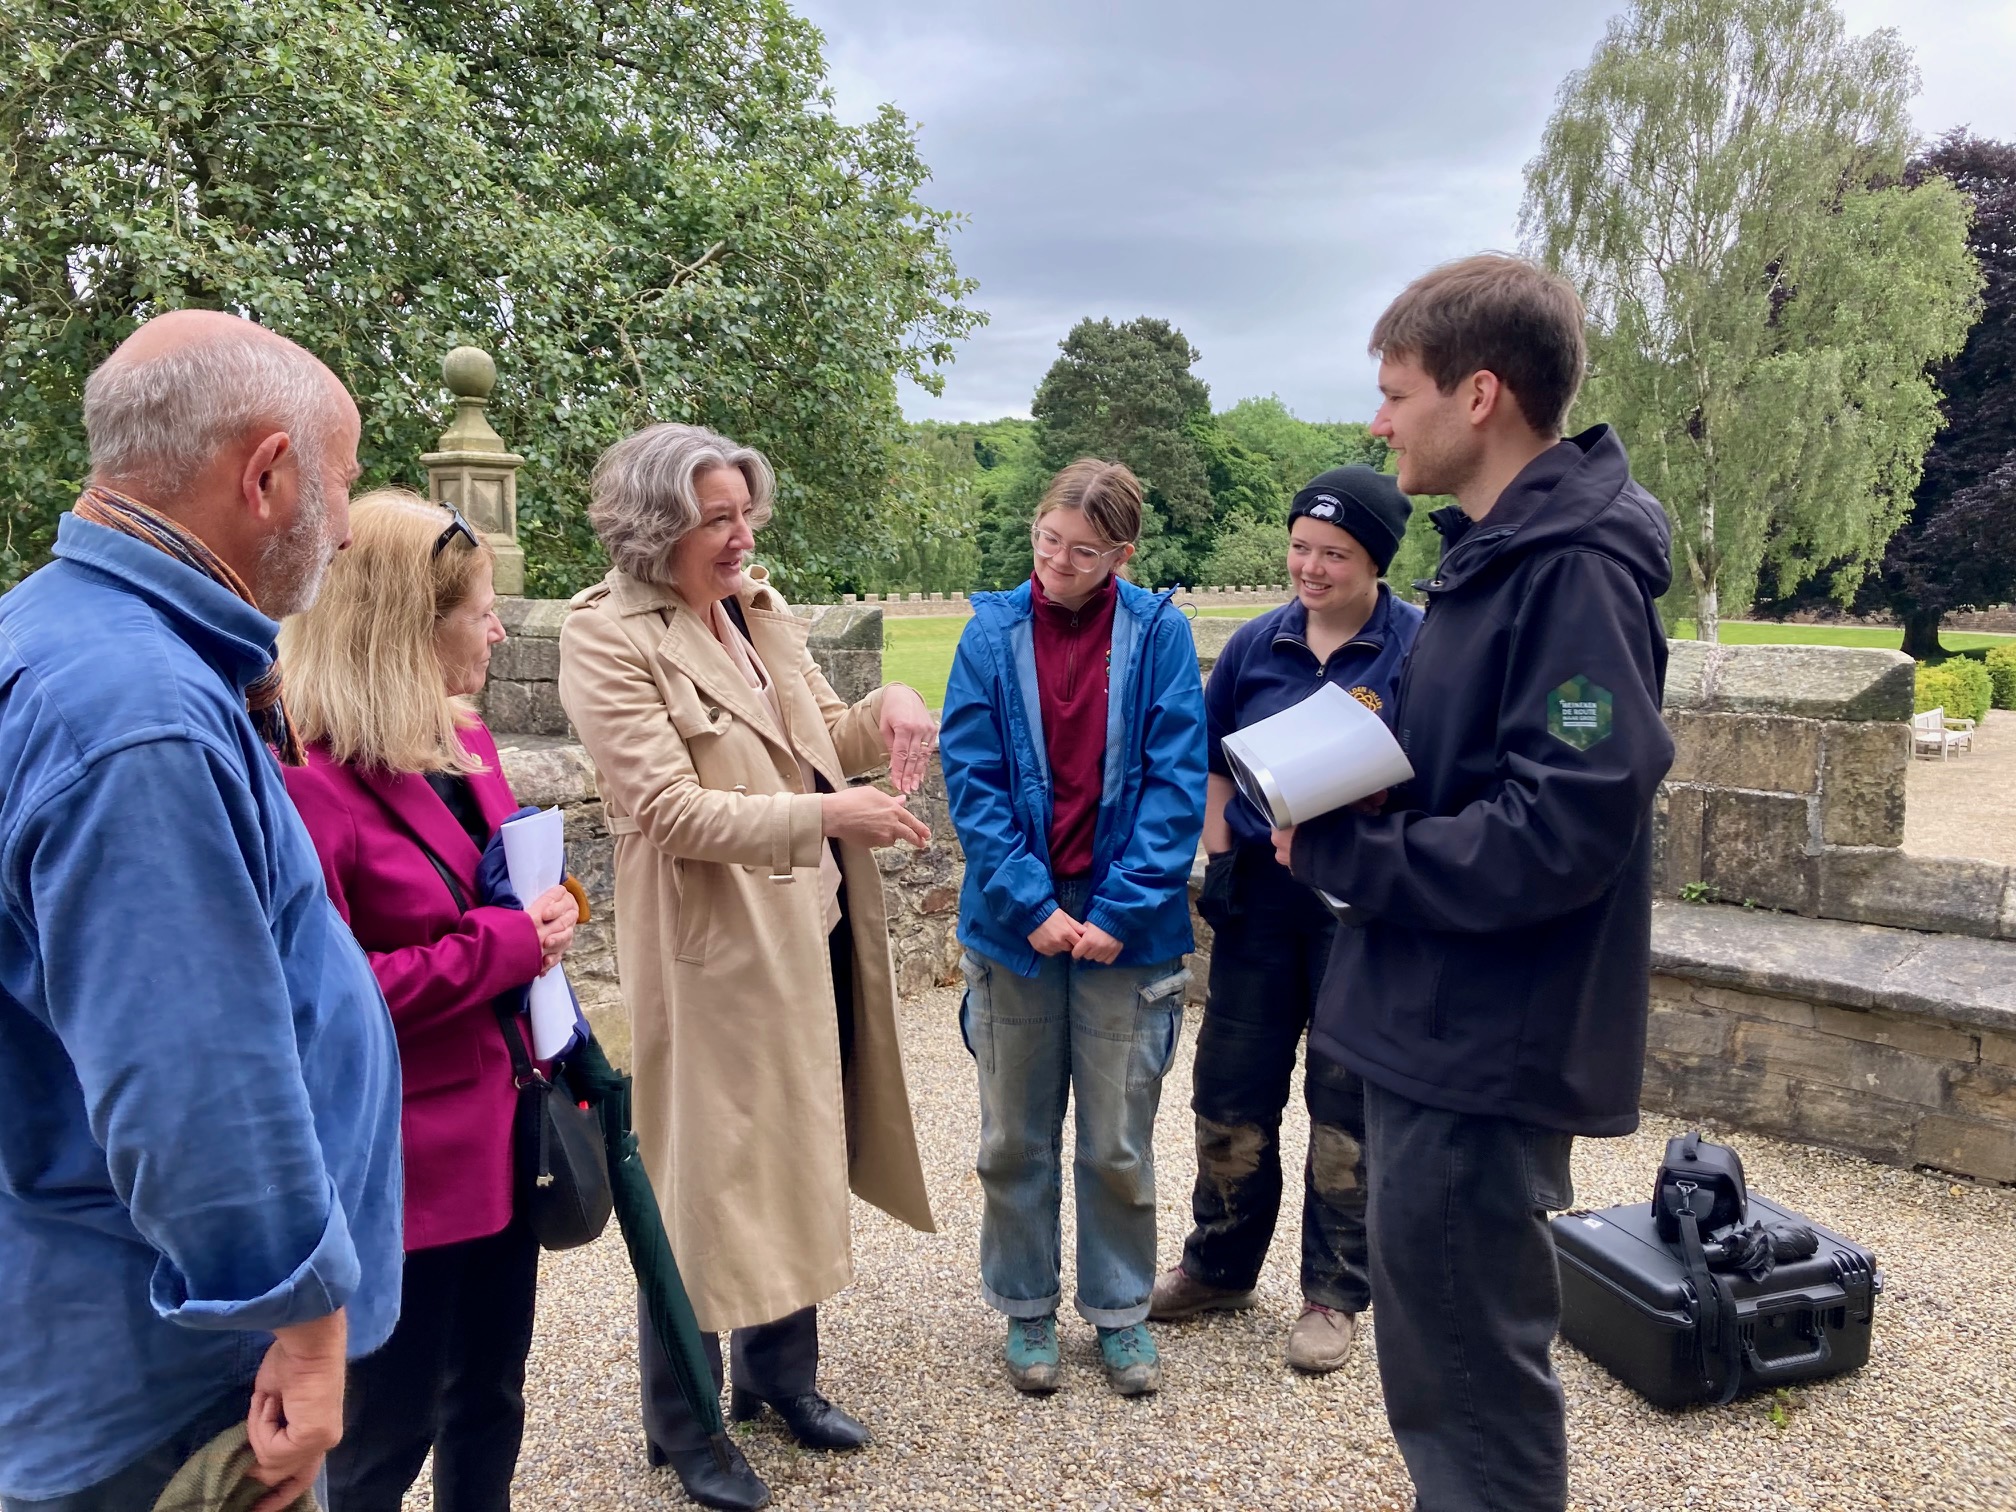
[1074, 661]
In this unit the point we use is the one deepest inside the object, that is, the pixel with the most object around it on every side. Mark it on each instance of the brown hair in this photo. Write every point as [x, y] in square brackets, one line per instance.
[363, 675]
[1106, 493]
[1496, 313]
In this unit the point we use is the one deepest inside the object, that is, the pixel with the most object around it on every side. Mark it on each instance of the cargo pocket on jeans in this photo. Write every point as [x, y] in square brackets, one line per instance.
[1158, 1017]
[973, 1028]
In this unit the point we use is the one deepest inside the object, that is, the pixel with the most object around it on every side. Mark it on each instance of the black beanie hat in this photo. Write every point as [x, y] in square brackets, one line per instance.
[1366, 503]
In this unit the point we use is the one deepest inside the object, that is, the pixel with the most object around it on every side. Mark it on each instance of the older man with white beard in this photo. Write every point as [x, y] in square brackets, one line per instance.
[199, 1158]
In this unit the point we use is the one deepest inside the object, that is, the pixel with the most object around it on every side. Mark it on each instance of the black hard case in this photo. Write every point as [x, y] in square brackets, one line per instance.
[1625, 1292]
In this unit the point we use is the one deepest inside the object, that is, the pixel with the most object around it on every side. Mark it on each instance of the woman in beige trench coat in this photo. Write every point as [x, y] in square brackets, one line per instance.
[751, 937]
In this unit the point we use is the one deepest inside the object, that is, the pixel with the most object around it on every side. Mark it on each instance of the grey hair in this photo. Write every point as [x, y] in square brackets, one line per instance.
[642, 499]
[159, 420]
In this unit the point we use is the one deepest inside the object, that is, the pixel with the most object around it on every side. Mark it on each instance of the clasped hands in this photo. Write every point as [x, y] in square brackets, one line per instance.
[1060, 934]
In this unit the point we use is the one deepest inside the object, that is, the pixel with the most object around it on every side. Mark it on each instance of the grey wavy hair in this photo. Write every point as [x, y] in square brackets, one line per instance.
[642, 499]
[159, 420]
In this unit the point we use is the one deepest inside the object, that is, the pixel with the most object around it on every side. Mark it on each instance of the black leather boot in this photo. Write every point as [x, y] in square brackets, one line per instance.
[715, 1476]
[815, 1422]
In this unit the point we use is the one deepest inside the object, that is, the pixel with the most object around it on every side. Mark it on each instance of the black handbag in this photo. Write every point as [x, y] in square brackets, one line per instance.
[561, 1165]
[562, 1162]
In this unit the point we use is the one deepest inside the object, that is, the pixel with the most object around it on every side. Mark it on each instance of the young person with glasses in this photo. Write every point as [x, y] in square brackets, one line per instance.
[1073, 746]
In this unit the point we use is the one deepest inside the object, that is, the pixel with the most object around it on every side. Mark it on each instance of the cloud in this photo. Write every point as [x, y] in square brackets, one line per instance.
[1264, 175]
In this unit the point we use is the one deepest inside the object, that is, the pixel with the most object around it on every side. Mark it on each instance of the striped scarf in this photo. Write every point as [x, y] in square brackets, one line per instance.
[128, 516]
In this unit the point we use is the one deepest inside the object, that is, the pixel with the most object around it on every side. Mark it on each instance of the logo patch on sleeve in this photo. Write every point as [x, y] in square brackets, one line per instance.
[1578, 712]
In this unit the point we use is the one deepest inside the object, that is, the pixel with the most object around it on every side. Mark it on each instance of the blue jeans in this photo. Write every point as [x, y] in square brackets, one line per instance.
[1107, 1035]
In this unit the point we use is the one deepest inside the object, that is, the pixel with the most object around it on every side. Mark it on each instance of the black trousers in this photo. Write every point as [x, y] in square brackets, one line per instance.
[779, 1359]
[1468, 1301]
[450, 1379]
[1270, 946]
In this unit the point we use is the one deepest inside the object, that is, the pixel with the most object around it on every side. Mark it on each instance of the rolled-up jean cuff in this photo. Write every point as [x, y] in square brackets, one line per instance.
[1016, 1307]
[318, 1286]
[1112, 1317]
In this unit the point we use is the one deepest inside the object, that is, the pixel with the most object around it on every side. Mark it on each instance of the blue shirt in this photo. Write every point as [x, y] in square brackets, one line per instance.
[200, 1137]
[1267, 666]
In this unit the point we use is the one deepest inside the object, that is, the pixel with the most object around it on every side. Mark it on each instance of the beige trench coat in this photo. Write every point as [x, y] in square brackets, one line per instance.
[750, 1139]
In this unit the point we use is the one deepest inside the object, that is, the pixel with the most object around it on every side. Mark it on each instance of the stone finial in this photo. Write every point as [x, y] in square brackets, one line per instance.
[470, 373]
[472, 470]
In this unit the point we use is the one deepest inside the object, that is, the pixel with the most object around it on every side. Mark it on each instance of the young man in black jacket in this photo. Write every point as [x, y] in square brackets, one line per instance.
[1494, 1000]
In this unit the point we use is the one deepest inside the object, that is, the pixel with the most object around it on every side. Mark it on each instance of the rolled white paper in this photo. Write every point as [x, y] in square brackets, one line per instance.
[1325, 752]
[535, 856]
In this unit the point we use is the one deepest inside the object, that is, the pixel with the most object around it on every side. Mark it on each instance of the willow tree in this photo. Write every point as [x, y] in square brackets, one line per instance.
[1725, 184]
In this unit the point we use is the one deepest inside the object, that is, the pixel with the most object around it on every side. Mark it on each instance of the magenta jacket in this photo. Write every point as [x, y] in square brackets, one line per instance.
[440, 968]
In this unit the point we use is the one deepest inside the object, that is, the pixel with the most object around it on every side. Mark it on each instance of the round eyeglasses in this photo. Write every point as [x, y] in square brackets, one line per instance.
[1047, 544]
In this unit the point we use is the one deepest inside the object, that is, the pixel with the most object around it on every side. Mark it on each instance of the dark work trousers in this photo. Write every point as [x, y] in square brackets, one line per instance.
[1468, 1302]
[1267, 960]
[450, 1379]
[777, 1359]
[135, 1487]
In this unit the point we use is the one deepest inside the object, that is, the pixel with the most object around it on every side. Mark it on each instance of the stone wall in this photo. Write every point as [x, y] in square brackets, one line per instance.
[1890, 1043]
[1866, 999]
[1787, 792]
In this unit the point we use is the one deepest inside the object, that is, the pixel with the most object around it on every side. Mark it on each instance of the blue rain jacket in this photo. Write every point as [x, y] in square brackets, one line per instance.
[1151, 807]
[200, 1138]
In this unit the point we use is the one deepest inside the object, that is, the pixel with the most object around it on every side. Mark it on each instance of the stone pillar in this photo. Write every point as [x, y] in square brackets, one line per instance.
[472, 473]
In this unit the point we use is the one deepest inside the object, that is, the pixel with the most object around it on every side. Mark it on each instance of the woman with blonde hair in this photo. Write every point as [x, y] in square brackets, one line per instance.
[750, 932]
[401, 793]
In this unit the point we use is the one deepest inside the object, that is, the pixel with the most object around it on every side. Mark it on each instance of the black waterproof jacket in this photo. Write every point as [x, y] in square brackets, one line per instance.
[1503, 970]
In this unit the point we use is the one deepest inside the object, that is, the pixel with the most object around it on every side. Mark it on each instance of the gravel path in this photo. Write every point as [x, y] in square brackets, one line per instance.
[1931, 1423]
[1966, 805]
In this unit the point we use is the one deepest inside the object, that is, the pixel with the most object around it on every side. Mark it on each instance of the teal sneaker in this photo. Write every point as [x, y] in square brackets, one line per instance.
[1031, 1353]
[1132, 1366]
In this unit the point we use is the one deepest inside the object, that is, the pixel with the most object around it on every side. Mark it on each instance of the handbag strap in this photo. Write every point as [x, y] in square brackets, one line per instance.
[523, 1073]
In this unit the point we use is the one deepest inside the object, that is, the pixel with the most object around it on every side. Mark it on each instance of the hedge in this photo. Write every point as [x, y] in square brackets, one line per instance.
[1959, 685]
[2001, 664]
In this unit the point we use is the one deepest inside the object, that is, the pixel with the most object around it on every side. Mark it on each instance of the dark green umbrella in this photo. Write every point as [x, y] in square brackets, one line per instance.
[594, 1081]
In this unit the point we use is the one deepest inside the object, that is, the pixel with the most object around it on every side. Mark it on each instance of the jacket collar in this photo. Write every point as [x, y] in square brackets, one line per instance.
[414, 803]
[690, 645]
[1376, 631]
[229, 633]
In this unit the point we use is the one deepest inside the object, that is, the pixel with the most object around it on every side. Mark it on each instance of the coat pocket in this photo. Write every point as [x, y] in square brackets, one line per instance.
[696, 882]
[1158, 1022]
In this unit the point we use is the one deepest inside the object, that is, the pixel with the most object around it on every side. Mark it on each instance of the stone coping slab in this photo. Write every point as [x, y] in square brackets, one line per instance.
[1951, 977]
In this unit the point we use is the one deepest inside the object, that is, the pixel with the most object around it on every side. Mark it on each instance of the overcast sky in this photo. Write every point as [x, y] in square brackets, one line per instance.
[1264, 174]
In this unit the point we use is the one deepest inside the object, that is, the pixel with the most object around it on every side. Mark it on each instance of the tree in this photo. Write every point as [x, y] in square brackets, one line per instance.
[1248, 553]
[646, 211]
[1299, 449]
[1125, 392]
[1958, 548]
[1723, 182]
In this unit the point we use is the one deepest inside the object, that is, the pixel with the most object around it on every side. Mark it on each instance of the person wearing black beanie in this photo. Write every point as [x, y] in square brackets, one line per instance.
[1365, 504]
[1273, 937]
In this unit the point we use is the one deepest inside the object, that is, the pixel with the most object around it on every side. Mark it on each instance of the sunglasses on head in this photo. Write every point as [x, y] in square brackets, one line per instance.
[456, 526]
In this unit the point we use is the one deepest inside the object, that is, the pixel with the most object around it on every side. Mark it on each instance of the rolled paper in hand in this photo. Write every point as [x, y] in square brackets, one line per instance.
[1325, 752]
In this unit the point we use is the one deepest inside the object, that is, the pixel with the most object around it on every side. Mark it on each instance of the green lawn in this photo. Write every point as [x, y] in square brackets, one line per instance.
[1759, 633]
[919, 651]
